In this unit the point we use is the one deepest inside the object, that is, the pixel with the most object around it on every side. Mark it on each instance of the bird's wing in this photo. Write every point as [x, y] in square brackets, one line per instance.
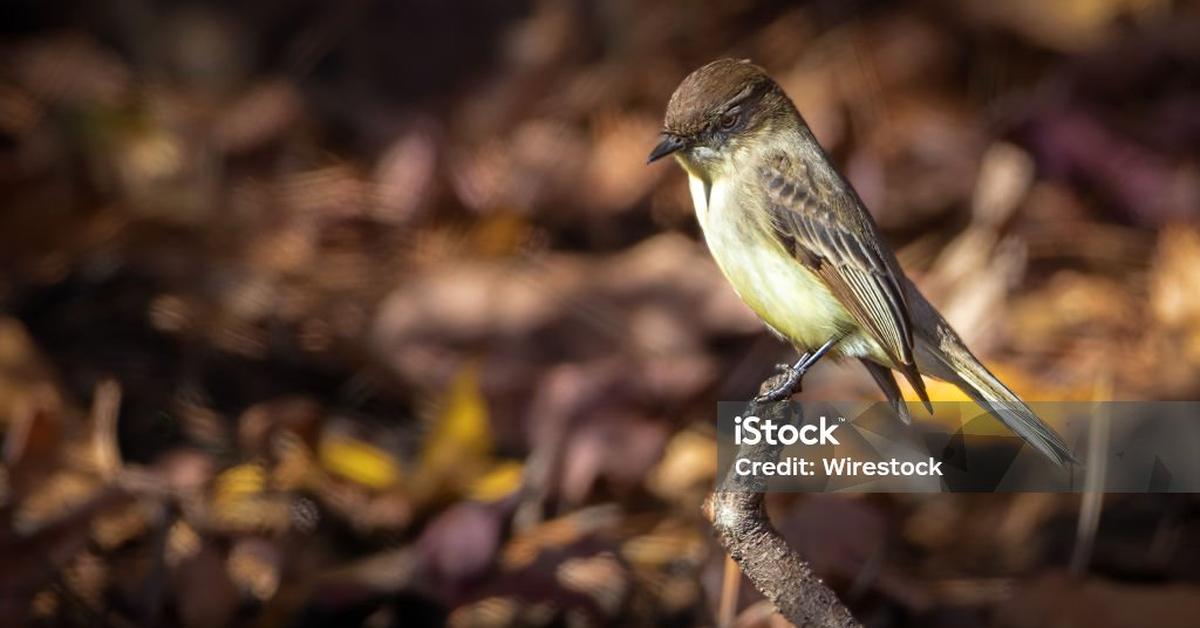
[827, 229]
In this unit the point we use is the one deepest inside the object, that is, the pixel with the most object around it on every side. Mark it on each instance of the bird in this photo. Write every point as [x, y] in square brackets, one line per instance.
[796, 242]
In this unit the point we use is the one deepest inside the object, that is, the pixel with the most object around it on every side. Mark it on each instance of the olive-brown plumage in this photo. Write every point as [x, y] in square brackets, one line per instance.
[800, 248]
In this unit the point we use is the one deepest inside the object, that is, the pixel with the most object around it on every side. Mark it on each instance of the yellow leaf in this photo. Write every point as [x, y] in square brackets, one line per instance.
[459, 446]
[358, 461]
[240, 501]
[239, 481]
[499, 482]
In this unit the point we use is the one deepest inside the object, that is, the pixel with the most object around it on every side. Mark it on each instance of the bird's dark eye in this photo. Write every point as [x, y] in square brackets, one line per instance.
[728, 120]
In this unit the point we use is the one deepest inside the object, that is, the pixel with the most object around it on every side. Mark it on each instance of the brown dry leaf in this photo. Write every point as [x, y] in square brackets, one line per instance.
[404, 174]
[681, 273]
[121, 525]
[461, 303]
[254, 567]
[20, 114]
[71, 69]
[1074, 304]
[203, 591]
[87, 578]
[389, 570]
[1175, 287]
[35, 437]
[1027, 513]
[291, 249]
[262, 422]
[930, 144]
[1067, 26]
[601, 577]
[491, 612]
[263, 114]
[615, 176]
[525, 546]
[296, 465]
[365, 510]
[688, 467]
[23, 369]
[974, 272]
[183, 542]
[615, 446]
[666, 561]
[56, 495]
[332, 191]
[34, 555]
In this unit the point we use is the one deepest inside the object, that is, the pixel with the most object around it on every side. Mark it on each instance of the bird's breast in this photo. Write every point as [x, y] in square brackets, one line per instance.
[789, 297]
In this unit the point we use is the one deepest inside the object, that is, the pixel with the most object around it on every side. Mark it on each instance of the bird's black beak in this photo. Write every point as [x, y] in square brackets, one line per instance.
[669, 144]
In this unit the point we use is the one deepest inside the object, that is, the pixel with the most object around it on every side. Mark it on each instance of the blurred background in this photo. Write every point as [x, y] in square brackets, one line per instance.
[371, 313]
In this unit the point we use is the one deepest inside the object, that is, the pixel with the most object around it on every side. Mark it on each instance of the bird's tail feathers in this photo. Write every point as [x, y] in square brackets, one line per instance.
[914, 379]
[989, 392]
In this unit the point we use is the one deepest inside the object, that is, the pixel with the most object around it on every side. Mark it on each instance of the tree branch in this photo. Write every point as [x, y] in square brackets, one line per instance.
[739, 518]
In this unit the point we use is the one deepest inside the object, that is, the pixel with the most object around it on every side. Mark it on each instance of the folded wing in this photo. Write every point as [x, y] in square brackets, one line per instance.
[828, 230]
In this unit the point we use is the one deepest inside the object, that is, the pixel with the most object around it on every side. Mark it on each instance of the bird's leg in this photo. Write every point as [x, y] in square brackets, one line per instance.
[793, 374]
[819, 353]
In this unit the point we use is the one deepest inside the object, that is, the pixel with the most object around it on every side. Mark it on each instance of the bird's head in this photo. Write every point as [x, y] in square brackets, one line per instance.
[719, 109]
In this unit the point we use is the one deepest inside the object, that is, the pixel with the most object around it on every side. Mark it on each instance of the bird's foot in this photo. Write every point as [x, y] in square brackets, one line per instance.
[786, 383]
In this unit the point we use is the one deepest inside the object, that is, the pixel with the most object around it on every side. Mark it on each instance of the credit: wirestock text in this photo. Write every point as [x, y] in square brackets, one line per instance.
[839, 467]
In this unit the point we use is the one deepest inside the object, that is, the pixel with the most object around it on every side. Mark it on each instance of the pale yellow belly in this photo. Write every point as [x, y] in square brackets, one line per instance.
[786, 296]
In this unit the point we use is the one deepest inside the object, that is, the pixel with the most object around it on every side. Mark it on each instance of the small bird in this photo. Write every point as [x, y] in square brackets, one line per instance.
[795, 241]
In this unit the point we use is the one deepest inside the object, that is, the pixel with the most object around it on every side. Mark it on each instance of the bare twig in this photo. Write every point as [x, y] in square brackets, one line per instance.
[106, 405]
[730, 583]
[1093, 483]
[740, 521]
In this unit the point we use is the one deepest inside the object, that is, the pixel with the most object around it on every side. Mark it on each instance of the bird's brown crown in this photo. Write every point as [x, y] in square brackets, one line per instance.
[703, 95]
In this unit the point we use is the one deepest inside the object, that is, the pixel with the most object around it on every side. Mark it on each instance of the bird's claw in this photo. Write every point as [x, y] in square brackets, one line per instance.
[787, 383]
